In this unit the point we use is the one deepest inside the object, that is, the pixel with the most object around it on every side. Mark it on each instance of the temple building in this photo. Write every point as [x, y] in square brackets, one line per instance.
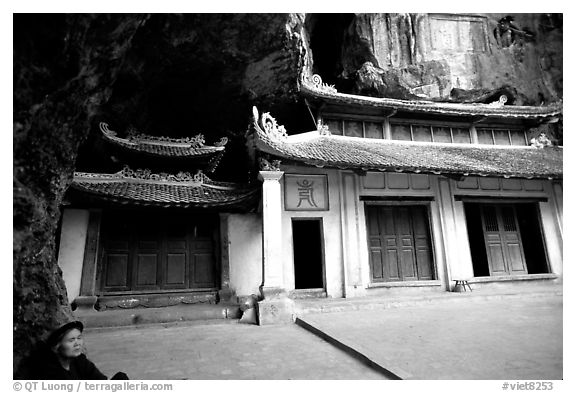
[148, 237]
[385, 197]
[391, 196]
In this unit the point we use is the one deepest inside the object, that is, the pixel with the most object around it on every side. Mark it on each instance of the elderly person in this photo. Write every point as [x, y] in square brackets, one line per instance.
[61, 357]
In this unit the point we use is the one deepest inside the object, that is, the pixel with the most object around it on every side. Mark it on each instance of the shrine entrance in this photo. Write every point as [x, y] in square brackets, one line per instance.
[399, 243]
[308, 245]
[154, 252]
[505, 239]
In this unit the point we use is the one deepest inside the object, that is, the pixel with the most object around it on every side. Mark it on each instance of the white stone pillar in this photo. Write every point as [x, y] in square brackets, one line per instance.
[276, 307]
[272, 277]
[72, 248]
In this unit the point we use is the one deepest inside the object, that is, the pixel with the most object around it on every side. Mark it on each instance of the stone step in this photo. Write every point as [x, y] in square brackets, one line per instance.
[306, 306]
[143, 316]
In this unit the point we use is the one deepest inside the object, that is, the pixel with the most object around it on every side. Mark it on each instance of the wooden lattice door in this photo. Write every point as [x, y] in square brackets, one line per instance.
[399, 243]
[502, 239]
[158, 252]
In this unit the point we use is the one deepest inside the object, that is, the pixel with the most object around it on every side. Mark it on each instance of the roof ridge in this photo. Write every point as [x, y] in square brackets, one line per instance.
[313, 85]
[144, 175]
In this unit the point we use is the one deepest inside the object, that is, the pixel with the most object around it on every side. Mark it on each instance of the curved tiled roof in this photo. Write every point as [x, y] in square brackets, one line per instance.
[163, 146]
[182, 190]
[318, 148]
[314, 87]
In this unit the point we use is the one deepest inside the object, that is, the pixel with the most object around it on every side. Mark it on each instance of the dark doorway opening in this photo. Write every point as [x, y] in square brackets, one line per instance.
[530, 231]
[308, 253]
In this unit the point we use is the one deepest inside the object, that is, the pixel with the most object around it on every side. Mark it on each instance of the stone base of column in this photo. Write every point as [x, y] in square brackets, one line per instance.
[276, 308]
[227, 296]
[85, 303]
[276, 311]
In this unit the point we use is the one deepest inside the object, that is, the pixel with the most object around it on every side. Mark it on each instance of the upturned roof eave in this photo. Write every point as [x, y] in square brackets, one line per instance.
[245, 197]
[180, 148]
[324, 164]
[263, 144]
[435, 108]
[271, 138]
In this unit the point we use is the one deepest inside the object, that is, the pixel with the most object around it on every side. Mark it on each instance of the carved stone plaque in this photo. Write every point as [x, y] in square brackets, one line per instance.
[458, 33]
[305, 192]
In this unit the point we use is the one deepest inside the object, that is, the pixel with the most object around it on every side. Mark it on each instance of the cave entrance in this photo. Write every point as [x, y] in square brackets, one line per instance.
[505, 239]
[308, 253]
[326, 41]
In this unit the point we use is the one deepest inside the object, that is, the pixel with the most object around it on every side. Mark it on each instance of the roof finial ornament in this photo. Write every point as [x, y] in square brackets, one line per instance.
[148, 175]
[269, 125]
[319, 85]
[501, 101]
[540, 141]
[197, 141]
[272, 165]
[104, 128]
[222, 142]
[323, 128]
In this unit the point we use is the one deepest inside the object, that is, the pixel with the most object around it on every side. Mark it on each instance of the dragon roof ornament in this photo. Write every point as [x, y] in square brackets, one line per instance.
[316, 82]
[269, 165]
[541, 141]
[500, 103]
[195, 141]
[145, 175]
[269, 125]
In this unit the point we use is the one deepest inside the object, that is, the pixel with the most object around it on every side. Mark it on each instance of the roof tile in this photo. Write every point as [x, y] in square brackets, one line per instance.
[385, 155]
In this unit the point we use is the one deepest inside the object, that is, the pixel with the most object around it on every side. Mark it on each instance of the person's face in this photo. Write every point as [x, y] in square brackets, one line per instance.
[71, 344]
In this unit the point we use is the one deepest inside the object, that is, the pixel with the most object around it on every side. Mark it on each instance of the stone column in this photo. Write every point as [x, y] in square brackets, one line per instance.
[272, 280]
[225, 294]
[455, 235]
[353, 285]
[276, 307]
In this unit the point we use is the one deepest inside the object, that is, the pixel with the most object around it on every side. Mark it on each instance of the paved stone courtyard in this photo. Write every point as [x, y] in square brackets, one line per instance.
[221, 351]
[512, 337]
[509, 338]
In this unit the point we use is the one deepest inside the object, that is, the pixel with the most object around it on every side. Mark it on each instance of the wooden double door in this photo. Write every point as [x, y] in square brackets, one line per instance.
[145, 252]
[502, 239]
[399, 243]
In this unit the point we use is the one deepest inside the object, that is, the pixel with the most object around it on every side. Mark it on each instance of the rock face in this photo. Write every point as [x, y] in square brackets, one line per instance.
[173, 75]
[425, 56]
[178, 75]
[63, 71]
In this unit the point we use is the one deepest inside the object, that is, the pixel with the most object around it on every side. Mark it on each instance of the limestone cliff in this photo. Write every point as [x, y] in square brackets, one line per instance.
[439, 56]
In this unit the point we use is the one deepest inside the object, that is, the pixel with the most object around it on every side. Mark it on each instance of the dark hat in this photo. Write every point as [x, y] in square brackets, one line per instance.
[55, 337]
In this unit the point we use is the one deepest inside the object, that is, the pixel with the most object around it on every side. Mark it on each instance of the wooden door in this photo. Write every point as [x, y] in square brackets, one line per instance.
[502, 239]
[175, 266]
[399, 243]
[155, 253]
